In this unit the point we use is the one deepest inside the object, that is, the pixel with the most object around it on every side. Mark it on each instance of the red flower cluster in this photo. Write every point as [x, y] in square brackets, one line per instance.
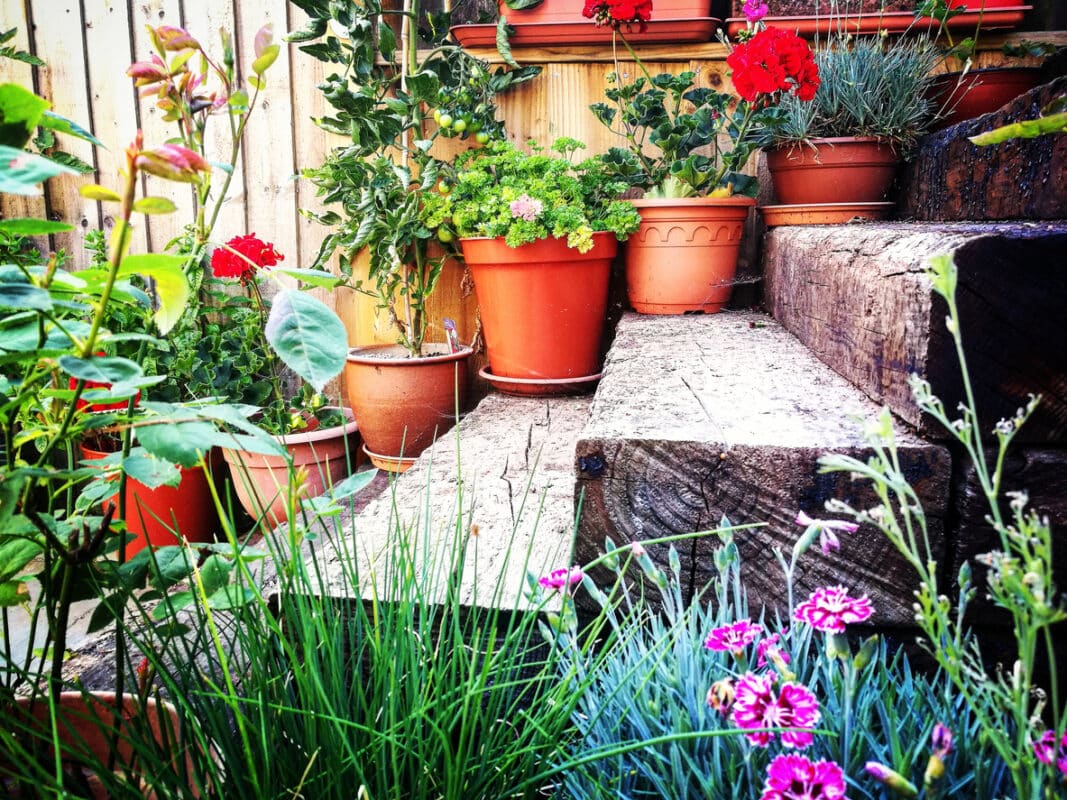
[225, 263]
[772, 60]
[118, 405]
[619, 12]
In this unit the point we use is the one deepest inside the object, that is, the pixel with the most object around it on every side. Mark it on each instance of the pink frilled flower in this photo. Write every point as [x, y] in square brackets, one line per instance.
[830, 609]
[793, 777]
[754, 10]
[734, 637]
[757, 705]
[526, 208]
[562, 579]
[251, 255]
[769, 644]
[827, 529]
[1043, 749]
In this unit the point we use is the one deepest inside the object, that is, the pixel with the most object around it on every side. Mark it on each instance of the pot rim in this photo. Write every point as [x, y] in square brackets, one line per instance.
[596, 234]
[374, 354]
[320, 434]
[739, 200]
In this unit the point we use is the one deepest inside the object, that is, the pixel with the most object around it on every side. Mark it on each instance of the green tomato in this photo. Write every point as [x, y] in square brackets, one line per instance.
[445, 235]
[445, 121]
[459, 125]
[437, 115]
[482, 137]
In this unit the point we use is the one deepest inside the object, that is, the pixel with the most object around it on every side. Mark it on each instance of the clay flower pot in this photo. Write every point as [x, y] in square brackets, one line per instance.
[159, 516]
[683, 258]
[87, 728]
[542, 306]
[979, 92]
[261, 481]
[401, 403]
[837, 170]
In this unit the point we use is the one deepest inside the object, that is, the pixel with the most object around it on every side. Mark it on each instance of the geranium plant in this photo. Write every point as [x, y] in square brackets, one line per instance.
[684, 140]
[523, 197]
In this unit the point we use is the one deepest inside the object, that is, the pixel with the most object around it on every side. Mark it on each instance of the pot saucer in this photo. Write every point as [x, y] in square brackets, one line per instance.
[389, 463]
[824, 213]
[531, 387]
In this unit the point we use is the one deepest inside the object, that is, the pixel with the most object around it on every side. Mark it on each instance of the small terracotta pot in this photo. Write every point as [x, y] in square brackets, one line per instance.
[683, 258]
[401, 403]
[555, 11]
[159, 516]
[88, 723]
[979, 92]
[838, 170]
[261, 481]
[542, 304]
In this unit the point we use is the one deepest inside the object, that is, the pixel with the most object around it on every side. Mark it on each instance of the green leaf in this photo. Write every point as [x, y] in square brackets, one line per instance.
[33, 227]
[176, 602]
[308, 336]
[154, 205]
[55, 122]
[20, 172]
[179, 442]
[170, 283]
[20, 114]
[94, 191]
[352, 484]
[503, 46]
[24, 296]
[152, 472]
[13, 593]
[229, 597]
[173, 564]
[266, 58]
[101, 369]
[15, 554]
[257, 82]
[215, 573]
[312, 277]
[1028, 129]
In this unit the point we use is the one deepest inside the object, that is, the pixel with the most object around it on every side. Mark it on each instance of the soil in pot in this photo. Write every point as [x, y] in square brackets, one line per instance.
[402, 404]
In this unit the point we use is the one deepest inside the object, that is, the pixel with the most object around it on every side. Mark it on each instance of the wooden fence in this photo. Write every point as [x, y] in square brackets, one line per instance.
[87, 45]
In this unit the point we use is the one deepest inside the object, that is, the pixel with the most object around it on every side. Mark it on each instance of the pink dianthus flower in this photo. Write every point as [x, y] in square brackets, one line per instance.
[734, 637]
[830, 609]
[794, 777]
[757, 705]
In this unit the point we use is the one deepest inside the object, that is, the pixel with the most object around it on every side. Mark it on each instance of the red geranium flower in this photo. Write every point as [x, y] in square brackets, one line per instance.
[226, 263]
[616, 13]
[774, 60]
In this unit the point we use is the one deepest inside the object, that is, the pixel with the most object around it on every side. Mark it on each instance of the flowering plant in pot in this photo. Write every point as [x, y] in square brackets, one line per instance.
[870, 111]
[539, 231]
[396, 107]
[686, 149]
[961, 92]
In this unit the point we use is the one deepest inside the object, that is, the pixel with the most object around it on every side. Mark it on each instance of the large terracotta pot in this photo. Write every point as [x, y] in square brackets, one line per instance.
[87, 728]
[401, 403]
[838, 170]
[542, 305]
[684, 256]
[979, 92]
[261, 481]
[166, 514]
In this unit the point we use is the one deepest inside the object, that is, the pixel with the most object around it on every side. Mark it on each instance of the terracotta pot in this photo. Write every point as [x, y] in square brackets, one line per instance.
[261, 481]
[684, 256]
[554, 11]
[166, 514]
[402, 404]
[542, 304]
[839, 170]
[979, 92]
[87, 724]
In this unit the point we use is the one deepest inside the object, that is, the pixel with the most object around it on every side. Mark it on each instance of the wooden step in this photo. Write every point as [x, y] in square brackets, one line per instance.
[700, 417]
[510, 481]
[858, 297]
[952, 179]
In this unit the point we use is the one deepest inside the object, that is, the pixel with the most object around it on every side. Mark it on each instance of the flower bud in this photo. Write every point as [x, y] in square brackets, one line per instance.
[935, 771]
[174, 39]
[891, 778]
[173, 162]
